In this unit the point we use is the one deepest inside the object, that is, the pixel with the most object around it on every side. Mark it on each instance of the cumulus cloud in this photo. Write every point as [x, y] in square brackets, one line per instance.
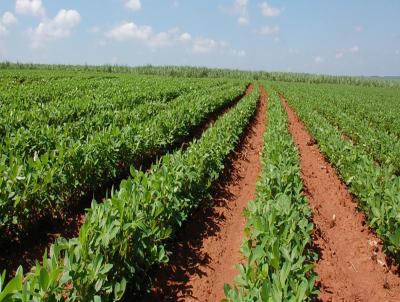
[30, 7]
[3, 30]
[239, 9]
[163, 39]
[268, 30]
[238, 53]
[243, 20]
[342, 52]
[204, 45]
[207, 46]
[269, 11]
[134, 5]
[319, 59]
[8, 19]
[128, 31]
[185, 37]
[58, 27]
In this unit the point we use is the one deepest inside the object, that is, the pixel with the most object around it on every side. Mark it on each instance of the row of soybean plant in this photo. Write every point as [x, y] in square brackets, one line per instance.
[278, 232]
[375, 184]
[55, 102]
[367, 116]
[123, 237]
[49, 182]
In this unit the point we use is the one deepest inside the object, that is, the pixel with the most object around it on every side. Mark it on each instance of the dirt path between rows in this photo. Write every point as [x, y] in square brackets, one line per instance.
[351, 265]
[30, 249]
[208, 248]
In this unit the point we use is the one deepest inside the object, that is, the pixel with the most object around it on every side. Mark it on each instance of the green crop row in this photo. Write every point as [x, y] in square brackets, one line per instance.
[346, 110]
[376, 187]
[62, 102]
[382, 146]
[278, 231]
[126, 235]
[194, 72]
[50, 182]
[40, 138]
[375, 107]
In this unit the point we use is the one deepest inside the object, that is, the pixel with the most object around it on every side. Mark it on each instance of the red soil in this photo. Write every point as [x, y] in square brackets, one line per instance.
[208, 248]
[351, 266]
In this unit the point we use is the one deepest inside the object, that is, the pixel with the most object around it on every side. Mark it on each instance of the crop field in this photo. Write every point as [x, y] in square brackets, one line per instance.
[184, 184]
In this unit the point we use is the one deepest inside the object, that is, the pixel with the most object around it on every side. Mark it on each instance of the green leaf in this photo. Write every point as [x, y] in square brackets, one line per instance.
[14, 286]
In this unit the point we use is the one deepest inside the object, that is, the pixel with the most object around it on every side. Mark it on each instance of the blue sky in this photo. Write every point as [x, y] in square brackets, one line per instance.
[359, 37]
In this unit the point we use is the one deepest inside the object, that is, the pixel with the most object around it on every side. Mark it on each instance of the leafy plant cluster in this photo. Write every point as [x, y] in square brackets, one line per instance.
[375, 186]
[44, 169]
[31, 101]
[362, 117]
[278, 231]
[125, 235]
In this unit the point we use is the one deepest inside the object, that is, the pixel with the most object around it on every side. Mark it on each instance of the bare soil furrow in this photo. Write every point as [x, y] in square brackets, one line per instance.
[205, 255]
[351, 265]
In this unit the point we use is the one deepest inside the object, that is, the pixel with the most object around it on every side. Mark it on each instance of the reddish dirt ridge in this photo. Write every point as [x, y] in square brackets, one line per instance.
[208, 248]
[352, 265]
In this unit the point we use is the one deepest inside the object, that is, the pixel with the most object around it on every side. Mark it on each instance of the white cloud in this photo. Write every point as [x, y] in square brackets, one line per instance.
[243, 20]
[58, 27]
[8, 19]
[185, 37]
[162, 39]
[342, 52]
[397, 52]
[318, 60]
[30, 7]
[129, 30]
[134, 5]
[239, 8]
[269, 11]
[268, 30]
[204, 45]
[207, 45]
[3, 30]
[238, 53]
